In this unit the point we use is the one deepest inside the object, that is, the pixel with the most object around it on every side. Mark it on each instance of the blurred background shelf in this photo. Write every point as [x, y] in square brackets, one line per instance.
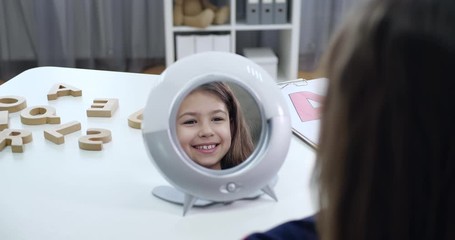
[284, 37]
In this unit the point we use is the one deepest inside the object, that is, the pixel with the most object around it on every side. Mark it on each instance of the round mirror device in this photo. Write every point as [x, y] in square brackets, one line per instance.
[259, 170]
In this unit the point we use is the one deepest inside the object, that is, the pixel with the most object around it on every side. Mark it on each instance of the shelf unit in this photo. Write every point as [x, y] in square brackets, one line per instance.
[288, 35]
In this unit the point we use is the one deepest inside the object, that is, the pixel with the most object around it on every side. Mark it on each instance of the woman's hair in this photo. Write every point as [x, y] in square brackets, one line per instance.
[241, 141]
[386, 157]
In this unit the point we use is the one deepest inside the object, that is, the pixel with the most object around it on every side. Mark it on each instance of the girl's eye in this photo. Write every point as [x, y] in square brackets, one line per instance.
[189, 122]
[218, 119]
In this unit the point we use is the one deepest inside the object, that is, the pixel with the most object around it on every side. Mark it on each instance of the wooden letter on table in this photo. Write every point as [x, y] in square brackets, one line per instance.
[12, 103]
[62, 89]
[39, 115]
[103, 107]
[135, 119]
[94, 139]
[57, 135]
[4, 119]
[16, 138]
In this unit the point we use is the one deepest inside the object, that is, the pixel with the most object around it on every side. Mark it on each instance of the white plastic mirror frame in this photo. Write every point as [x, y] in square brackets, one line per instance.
[160, 139]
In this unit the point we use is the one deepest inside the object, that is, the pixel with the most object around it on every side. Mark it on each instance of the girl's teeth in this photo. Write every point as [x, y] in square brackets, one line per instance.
[206, 147]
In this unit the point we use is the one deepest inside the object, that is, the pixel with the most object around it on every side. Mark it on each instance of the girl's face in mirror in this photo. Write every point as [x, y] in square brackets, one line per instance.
[203, 128]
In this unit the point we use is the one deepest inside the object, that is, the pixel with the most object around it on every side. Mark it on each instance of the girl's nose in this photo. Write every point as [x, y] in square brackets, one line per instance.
[206, 131]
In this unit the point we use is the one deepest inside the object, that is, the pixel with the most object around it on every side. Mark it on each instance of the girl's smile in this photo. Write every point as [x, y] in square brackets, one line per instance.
[206, 148]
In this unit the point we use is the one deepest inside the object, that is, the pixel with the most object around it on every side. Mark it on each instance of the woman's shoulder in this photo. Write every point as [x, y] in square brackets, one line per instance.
[297, 229]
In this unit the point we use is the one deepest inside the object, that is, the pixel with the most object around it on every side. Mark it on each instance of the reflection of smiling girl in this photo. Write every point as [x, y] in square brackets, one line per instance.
[211, 128]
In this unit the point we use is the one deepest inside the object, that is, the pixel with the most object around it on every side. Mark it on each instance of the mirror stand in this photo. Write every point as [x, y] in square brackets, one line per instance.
[172, 195]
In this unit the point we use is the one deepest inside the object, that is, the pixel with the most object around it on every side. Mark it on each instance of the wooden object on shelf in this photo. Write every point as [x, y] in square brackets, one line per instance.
[57, 135]
[135, 119]
[16, 138]
[288, 43]
[94, 139]
[12, 103]
[38, 115]
[198, 13]
[4, 119]
[103, 107]
[62, 89]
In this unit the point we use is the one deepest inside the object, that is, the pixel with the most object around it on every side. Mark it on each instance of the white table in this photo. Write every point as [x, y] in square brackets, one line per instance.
[62, 192]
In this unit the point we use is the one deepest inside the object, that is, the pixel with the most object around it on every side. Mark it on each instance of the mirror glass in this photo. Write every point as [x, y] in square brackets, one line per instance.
[218, 125]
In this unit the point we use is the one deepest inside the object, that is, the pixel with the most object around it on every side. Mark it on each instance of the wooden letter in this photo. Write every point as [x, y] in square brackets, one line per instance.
[15, 138]
[135, 119]
[3, 120]
[103, 107]
[39, 115]
[12, 103]
[94, 139]
[57, 135]
[62, 89]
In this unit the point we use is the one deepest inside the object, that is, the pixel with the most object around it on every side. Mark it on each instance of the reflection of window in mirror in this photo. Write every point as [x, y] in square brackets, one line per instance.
[212, 129]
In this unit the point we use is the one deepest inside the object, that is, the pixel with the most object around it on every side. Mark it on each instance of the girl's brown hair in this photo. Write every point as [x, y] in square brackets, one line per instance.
[386, 156]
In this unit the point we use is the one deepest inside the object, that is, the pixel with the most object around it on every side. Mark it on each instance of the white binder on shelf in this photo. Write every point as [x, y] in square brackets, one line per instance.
[280, 12]
[252, 12]
[266, 15]
[203, 43]
[184, 45]
[221, 42]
